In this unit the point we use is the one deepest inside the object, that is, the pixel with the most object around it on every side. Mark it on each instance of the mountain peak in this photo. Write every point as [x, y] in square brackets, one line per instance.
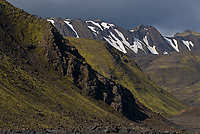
[139, 27]
[186, 33]
[98, 20]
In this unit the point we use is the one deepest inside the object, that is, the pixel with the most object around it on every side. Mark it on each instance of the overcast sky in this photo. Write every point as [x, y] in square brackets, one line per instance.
[168, 16]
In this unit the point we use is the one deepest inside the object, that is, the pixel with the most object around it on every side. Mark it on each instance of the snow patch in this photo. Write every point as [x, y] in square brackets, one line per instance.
[93, 30]
[123, 43]
[115, 42]
[146, 29]
[165, 52]
[137, 44]
[122, 37]
[107, 25]
[191, 43]
[131, 30]
[175, 46]
[52, 21]
[70, 25]
[95, 23]
[151, 49]
[133, 47]
[187, 44]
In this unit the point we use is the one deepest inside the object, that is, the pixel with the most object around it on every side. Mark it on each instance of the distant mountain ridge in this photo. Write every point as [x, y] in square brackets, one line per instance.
[139, 40]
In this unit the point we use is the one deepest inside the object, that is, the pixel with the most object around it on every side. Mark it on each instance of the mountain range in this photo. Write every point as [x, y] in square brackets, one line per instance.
[154, 53]
[172, 62]
[139, 40]
[48, 81]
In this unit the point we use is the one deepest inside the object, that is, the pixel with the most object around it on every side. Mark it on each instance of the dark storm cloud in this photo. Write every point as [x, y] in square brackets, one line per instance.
[168, 16]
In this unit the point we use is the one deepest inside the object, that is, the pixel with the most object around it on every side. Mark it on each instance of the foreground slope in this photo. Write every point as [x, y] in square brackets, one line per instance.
[46, 83]
[46, 100]
[33, 94]
[117, 66]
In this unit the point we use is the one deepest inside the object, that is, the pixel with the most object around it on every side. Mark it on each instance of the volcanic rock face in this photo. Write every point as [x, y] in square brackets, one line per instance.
[68, 61]
[65, 58]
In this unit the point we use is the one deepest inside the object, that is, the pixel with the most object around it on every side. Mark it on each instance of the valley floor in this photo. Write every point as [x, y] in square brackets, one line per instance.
[189, 118]
[177, 73]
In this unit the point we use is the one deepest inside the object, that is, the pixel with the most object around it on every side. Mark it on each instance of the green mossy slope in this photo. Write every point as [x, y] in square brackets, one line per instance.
[29, 101]
[117, 66]
[39, 69]
[32, 93]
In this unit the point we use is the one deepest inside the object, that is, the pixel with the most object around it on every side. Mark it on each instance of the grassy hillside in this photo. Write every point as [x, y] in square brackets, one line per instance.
[178, 73]
[48, 101]
[46, 83]
[117, 66]
[33, 94]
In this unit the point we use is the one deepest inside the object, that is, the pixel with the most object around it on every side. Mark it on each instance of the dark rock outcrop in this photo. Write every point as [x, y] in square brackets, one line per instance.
[68, 61]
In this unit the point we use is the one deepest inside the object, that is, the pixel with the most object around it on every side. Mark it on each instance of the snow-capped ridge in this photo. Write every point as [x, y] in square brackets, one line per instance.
[52, 21]
[145, 38]
[107, 25]
[95, 23]
[71, 26]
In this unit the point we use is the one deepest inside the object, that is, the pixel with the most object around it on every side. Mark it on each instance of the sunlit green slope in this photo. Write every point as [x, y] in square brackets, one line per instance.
[32, 93]
[46, 83]
[48, 101]
[117, 66]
